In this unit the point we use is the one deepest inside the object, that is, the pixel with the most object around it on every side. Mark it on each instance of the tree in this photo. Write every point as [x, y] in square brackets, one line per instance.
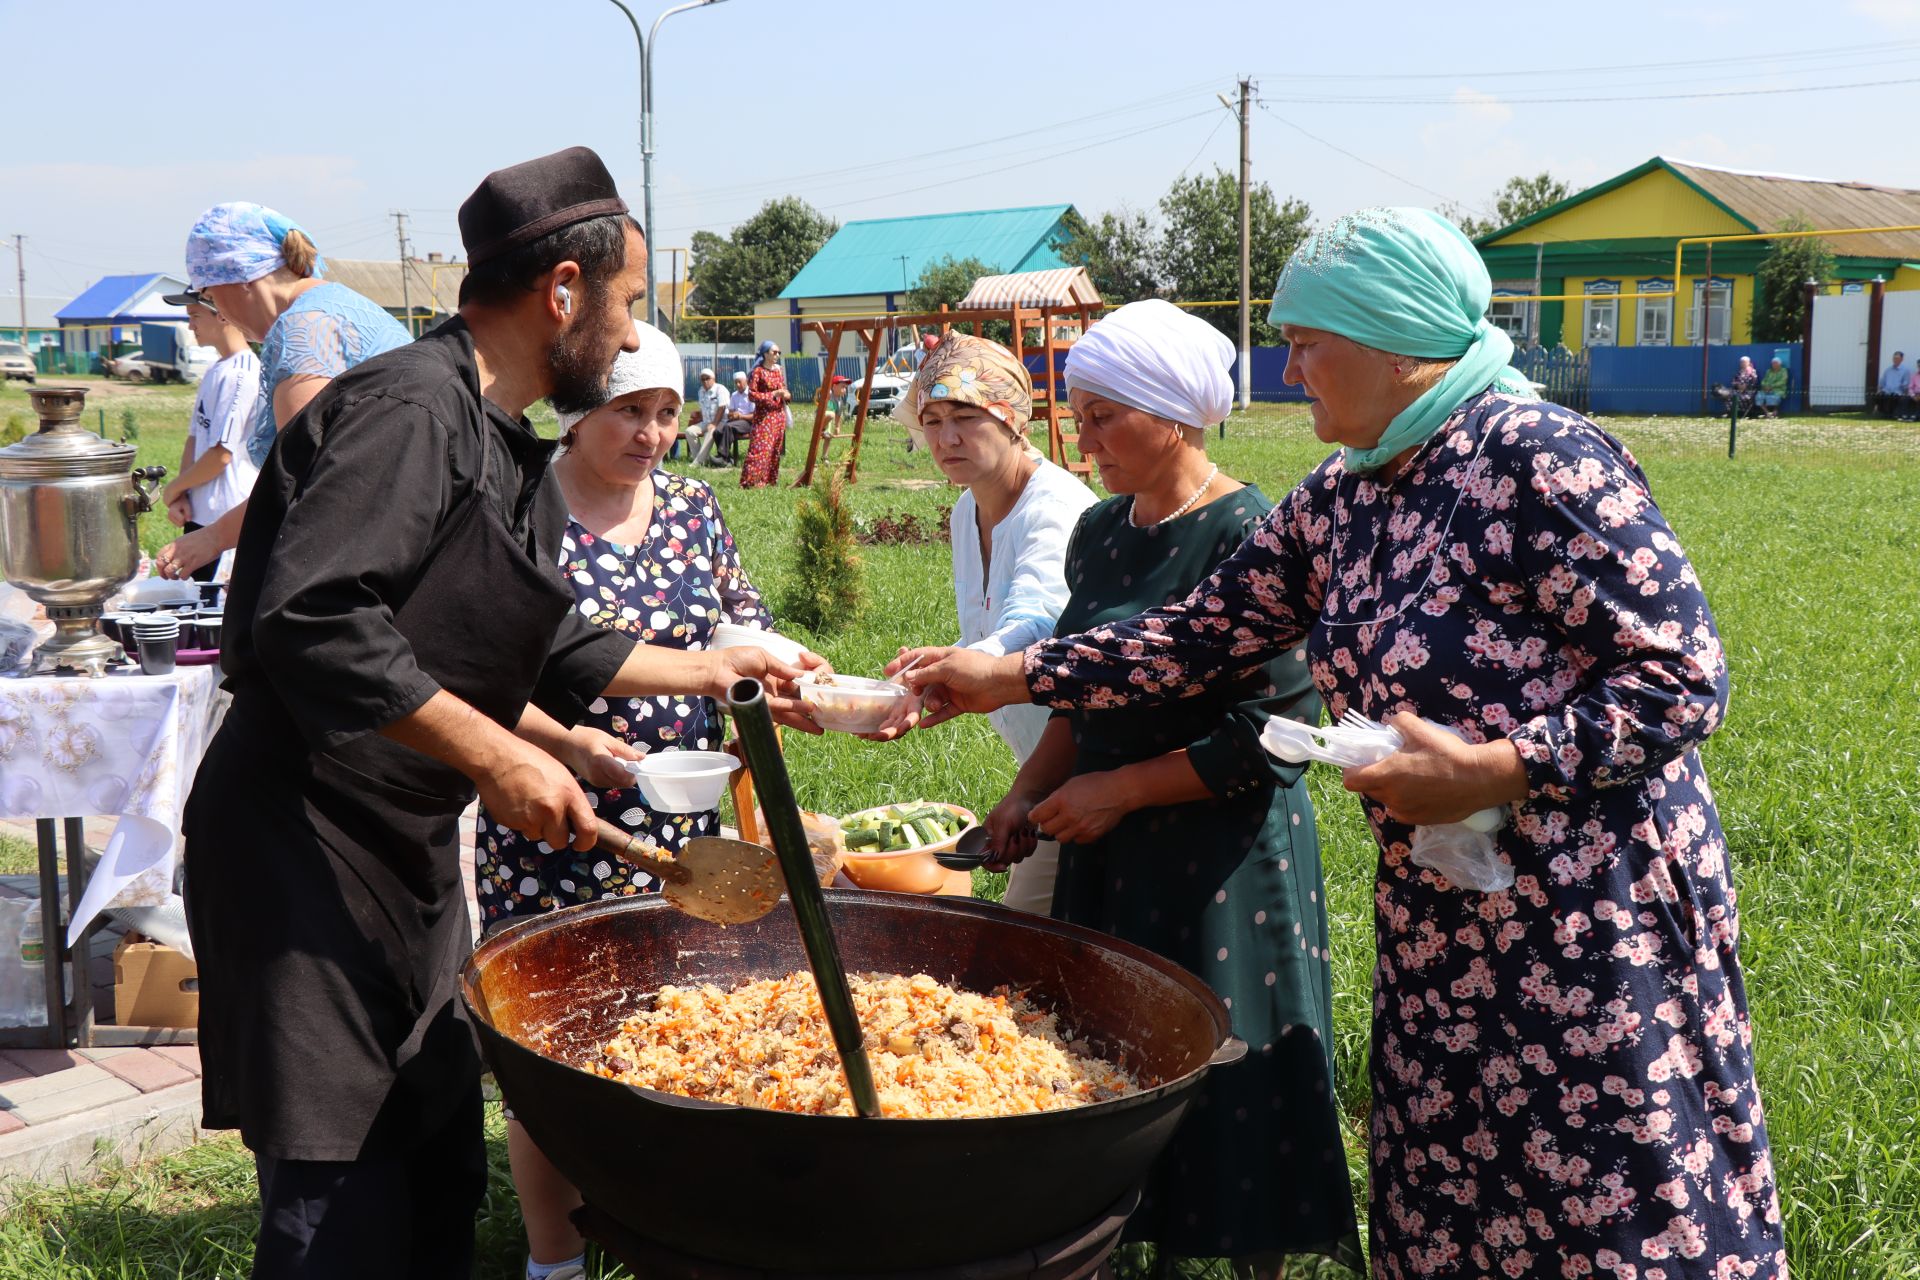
[732, 276]
[1522, 197]
[1200, 248]
[1779, 296]
[945, 282]
[1120, 253]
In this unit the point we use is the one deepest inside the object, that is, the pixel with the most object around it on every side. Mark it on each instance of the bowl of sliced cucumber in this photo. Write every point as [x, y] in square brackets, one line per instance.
[892, 846]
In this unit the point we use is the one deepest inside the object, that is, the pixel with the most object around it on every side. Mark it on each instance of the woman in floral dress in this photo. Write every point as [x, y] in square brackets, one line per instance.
[648, 554]
[1562, 1071]
[767, 388]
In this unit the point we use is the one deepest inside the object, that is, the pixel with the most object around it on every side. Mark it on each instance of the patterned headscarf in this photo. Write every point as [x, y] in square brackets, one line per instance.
[970, 370]
[239, 243]
[1408, 282]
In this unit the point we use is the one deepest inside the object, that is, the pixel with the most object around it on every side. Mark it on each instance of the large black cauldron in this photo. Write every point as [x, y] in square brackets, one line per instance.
[829, 1193]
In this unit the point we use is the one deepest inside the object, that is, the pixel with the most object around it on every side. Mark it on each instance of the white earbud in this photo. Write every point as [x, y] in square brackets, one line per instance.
[566, 299]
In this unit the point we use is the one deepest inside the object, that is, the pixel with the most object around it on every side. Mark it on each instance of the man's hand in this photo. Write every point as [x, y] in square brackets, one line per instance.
[536, 795]
[596, 755]
[1436, 778]
[1084, 808]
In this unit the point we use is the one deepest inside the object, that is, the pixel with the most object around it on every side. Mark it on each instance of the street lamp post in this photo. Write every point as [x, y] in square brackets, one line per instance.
[646, 43]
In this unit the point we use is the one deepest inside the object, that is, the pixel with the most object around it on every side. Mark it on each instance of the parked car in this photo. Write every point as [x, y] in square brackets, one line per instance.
[15, 363]
[129, 365]
[889, 389]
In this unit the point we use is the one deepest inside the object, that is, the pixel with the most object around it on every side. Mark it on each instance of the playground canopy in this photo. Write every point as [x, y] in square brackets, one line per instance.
[1058, 287]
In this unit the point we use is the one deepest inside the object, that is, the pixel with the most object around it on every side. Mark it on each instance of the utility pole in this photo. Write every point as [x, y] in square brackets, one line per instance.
[20, 260]
[1246, 245]
[406, 291]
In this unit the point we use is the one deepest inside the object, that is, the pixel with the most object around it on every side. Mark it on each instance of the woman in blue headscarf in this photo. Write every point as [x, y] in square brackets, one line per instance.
[767, 388]
[1562, 1072]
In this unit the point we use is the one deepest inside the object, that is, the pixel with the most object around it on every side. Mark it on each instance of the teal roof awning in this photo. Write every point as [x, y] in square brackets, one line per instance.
[867, 257]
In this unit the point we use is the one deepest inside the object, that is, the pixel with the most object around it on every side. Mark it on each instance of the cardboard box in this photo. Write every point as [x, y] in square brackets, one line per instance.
[154, 986]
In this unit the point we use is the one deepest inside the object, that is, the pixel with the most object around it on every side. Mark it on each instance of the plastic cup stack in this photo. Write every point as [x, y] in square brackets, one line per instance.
[158, 637]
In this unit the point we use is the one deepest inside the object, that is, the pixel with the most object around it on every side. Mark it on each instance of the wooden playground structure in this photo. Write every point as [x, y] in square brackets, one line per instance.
[1045, 312]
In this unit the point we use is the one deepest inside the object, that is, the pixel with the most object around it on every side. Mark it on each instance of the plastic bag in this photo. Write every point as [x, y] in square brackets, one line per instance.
[1468, 858]
[1464, 852]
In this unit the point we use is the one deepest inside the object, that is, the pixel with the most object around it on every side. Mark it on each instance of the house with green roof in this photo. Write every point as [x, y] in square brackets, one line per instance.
[1618, 238]
[869, 266]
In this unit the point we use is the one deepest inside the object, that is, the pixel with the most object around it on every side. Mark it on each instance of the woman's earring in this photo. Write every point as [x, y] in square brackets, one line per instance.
[1396, 369]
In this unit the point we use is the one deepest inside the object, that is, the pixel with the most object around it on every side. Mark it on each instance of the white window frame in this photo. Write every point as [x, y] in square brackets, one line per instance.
[1602, 298]
[1719, 314]
[1515, 313]
[1654, 314]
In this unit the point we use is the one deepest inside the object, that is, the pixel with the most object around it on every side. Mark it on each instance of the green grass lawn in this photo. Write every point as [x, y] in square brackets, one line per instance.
[1806, 546]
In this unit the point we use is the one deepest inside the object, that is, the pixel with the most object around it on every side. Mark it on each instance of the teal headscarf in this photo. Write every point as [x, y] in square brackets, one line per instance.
[1408, 282]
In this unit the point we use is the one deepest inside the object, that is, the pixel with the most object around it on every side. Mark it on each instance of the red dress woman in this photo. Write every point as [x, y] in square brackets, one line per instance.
[767, 388]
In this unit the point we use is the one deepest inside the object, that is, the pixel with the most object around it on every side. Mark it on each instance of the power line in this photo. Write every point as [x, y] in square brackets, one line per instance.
[893, 163]
[1440, 195]
[1203, 146]
[984, 173]
[1379, 101]
[1754, 62]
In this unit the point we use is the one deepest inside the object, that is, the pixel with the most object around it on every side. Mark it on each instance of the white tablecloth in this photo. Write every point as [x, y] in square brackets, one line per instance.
[123, 745]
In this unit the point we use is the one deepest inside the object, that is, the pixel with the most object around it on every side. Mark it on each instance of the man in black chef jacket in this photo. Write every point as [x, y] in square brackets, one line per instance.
[398, 635]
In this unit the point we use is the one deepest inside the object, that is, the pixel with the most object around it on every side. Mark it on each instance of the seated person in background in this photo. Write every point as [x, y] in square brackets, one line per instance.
[739, 422]
[1745, 383]
[710, 417]
[1773, 388]
[1893, 398]
[1913, 396]
[216, 473]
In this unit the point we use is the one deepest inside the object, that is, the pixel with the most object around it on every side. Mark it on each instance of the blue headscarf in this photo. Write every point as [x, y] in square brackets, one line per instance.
[1405, 281]
[239, 243]
[766, 345]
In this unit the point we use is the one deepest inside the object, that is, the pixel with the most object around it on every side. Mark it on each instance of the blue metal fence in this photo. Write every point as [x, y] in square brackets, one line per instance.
[1668, 379]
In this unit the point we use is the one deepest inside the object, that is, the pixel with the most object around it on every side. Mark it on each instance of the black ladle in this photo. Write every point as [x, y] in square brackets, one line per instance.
[753, 723]
[969, 852]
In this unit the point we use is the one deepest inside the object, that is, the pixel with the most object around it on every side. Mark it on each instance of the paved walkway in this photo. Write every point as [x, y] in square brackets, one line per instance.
[63, 1113]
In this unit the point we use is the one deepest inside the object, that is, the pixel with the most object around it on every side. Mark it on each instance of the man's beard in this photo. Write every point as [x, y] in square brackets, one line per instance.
[579, 371]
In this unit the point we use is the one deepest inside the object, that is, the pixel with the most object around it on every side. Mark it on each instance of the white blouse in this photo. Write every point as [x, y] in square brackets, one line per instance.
[1016, 600]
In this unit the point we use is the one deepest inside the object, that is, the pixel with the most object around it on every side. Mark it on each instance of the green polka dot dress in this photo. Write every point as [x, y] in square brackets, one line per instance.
[1229, 887]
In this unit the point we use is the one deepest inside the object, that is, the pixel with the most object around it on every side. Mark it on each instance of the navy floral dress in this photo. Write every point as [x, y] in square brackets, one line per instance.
[1562, 1071]
[669, 590]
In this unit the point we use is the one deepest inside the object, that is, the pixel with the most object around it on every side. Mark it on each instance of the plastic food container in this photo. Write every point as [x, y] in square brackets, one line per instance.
[731, 635]
[905, 870]
[851, 704]
[683, 781]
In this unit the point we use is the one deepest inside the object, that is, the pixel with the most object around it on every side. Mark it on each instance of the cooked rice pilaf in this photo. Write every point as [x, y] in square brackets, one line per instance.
[937, 1053]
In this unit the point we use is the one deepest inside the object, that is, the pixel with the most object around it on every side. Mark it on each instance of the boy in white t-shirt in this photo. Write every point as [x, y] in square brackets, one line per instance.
[216, 473]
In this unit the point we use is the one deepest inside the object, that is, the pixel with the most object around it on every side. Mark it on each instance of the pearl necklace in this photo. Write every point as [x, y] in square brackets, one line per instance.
[1177, 512]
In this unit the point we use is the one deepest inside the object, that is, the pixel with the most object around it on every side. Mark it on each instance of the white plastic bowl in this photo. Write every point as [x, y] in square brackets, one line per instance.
[731, 635]
[851, 704]
[683, 781]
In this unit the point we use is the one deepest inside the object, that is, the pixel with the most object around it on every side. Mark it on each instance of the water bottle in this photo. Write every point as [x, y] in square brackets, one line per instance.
[33, 968]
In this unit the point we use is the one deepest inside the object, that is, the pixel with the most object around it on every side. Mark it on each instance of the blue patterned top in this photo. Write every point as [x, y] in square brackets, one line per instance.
[328, 330]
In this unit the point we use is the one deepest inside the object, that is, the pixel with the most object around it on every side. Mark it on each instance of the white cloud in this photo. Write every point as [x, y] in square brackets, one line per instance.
[1484, 108]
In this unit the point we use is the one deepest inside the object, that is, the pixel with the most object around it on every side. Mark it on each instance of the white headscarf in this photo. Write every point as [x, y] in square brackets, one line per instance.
[655, 366]
[1158, 359]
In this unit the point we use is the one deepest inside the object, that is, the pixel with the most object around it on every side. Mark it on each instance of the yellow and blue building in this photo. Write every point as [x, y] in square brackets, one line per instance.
[1617, 239]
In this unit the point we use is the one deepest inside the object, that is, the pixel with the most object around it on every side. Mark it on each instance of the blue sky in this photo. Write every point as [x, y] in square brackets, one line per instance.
[136, 116]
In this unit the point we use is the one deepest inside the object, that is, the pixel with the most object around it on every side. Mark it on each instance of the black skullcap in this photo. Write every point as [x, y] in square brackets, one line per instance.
[518, 205]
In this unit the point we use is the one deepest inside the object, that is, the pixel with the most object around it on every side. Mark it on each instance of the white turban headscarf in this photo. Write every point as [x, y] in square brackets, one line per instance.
[1158, 359]
[655, 366]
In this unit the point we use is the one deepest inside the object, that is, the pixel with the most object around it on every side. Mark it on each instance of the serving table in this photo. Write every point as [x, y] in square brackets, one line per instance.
[125, 745]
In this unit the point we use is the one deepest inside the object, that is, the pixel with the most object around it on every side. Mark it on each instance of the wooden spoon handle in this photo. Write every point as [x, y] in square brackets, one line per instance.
[637, 852]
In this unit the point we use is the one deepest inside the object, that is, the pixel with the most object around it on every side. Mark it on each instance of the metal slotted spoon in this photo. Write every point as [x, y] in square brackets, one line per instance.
[713, 878]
